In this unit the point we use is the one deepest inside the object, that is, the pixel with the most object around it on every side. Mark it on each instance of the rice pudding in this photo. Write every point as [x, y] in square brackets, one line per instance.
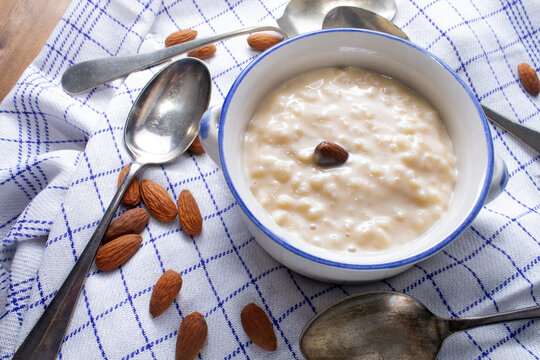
[396, 182]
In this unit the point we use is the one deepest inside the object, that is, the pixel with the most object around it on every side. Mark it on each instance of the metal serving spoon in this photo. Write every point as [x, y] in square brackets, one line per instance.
[354, 17]
[300, 16]
[161, 125]
[387, 326]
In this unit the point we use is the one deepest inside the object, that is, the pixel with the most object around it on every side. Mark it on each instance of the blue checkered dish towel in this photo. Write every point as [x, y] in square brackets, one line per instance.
[61, 156]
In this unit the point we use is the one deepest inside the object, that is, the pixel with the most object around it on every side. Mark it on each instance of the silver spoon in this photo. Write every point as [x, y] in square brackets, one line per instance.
[86, 75]
[161, 125]
[299, 16]
[354, 17]
[387, 326]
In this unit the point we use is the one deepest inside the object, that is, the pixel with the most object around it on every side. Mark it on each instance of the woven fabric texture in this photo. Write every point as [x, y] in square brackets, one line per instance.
[61, 156]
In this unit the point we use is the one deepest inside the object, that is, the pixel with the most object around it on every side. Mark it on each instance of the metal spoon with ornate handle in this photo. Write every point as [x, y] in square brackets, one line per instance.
[161, 125]
[354, 17]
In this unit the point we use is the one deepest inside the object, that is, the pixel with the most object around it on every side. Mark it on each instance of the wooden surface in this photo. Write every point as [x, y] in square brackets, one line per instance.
[25, 26]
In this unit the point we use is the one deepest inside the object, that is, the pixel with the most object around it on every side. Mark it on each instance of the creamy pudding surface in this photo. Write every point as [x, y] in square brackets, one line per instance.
[396, 182]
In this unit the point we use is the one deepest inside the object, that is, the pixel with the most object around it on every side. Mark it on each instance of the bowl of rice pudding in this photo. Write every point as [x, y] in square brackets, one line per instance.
[353, 154]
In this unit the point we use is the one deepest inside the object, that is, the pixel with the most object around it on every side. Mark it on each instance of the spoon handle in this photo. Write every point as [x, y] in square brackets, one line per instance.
[45, 338]
[89, 74]
[456, 325]
[526, 134]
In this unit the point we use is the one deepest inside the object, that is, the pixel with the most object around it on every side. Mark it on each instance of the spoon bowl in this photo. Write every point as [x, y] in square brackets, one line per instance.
[386, 326]
[301, 16]
[161, 125]
[360, 18]
[373, 326]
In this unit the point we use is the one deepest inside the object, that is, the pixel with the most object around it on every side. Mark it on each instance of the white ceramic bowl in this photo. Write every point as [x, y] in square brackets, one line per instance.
[222, 131]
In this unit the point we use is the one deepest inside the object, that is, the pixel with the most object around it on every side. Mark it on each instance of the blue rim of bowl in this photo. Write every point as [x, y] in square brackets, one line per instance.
[387, 265]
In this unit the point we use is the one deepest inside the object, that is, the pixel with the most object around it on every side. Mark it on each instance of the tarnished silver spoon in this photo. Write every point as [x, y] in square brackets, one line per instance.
[354, 17]
[86, 75]
[161, 125]
[387, 326]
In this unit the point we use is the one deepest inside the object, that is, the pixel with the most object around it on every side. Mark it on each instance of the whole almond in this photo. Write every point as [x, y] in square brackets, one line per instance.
[132, 196]
[132, 221]
[179, 37]
[258, 327]
[189, 213]
[529, 79]
[328, 153]
[262, 41]
[165, 290]
[203, 52]
[158, 201]
[118, 251]
[196, 147]
[191, 336]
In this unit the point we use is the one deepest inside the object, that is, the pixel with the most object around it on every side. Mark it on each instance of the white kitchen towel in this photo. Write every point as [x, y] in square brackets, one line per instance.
[61, 156]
